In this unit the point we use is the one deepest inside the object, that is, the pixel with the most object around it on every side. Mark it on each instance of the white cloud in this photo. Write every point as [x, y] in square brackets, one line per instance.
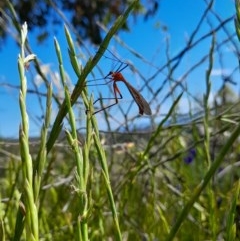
[219, 72]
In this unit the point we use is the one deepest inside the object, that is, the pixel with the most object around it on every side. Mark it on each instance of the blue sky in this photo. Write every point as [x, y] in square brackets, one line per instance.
[146, 38]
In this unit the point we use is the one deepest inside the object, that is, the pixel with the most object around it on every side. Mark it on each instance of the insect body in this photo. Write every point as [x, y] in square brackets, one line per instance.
[116, 76]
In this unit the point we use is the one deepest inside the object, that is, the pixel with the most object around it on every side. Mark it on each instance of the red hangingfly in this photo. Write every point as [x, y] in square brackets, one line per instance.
[116, 76]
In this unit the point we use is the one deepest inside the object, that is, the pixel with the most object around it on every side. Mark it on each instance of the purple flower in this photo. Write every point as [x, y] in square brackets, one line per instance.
[190, 156]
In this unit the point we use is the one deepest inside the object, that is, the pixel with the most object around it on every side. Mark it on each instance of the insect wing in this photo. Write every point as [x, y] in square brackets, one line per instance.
[141, 102]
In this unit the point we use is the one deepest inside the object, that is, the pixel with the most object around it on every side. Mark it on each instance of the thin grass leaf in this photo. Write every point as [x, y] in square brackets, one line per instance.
[42, 154]
[237, 19]
[233, 216]
[82, 172]
[103, 162]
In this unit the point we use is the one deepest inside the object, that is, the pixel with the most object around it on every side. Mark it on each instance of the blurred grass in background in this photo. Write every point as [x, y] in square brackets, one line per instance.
[176, 178]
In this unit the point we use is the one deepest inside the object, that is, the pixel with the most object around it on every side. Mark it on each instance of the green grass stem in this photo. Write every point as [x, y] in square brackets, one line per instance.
[57, 126]
[31, 222]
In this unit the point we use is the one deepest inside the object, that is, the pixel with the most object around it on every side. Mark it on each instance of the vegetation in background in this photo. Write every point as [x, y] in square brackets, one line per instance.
[177, 178]
[85, 16]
